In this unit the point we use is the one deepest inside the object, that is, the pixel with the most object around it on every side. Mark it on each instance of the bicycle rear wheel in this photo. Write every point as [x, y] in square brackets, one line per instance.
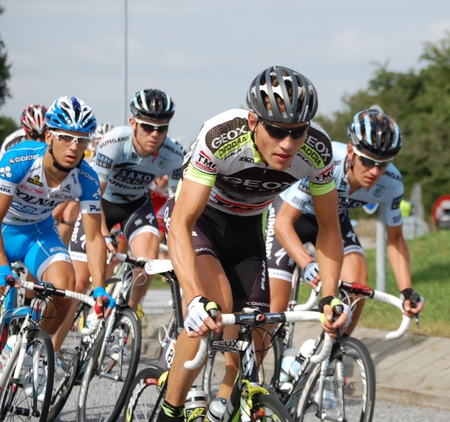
[106, 383]
[145, 395]
[349, 391]
[35, 380]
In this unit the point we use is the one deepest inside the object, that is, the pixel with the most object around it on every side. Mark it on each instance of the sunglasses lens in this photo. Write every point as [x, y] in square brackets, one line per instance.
[151, 128]
[367, 162]
[280, 133]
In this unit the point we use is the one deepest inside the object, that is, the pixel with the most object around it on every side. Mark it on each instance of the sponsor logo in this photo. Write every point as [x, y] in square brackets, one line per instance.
[398, 218]
[396, 202]
[204, 162]
[176, 174]
[107, 142]
[230, 146]
[247, 159]
[5, 172]
[35, 181]
[134, 177]
[393, 175]
[94, 208]
[5, 189]
[103, 161]
[23, 158]
[224, 138]
[377, 192]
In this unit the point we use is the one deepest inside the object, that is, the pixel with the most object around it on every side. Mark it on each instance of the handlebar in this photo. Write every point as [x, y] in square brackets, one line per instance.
[50, 290]
[257, 320]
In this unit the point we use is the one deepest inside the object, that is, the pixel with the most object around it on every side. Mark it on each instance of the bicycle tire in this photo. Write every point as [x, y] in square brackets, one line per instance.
[16, 398]
[103, 397]
[357, 397]
[144, 393]
[267, 408]
[68, 363]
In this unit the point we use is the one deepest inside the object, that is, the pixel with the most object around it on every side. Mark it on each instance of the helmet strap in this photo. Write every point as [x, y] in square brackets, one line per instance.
[59, 166]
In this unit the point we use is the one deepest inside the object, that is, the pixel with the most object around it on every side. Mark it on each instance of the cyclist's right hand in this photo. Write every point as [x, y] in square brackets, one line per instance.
[105, 303]
[5, 273]
[110, 244]
[199, 319]
[311, 274]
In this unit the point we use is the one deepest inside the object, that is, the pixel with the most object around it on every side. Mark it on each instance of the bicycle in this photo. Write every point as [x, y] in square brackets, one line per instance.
[26, 379]
[348, 372]
[103, 357]
[149, 387]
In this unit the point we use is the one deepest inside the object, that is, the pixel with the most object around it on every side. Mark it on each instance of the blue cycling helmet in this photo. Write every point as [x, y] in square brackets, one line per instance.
[71, 114]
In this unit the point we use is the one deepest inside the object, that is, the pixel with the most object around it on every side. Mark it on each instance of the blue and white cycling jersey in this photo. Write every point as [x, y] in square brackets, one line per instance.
[128, 174]
[388, 190]
[22, 176]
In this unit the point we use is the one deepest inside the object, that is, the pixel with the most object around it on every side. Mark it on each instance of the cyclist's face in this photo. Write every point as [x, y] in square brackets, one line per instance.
[277, 153]
[149, 135]
[66, 153]
[364, 176]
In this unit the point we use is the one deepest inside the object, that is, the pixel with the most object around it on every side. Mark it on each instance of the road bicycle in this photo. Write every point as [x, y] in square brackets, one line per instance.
[26, 379]
[102, 358]
[342, 387]
[149, 387]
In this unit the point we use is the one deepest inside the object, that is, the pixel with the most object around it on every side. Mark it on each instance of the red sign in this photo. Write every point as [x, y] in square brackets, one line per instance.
[441, 204]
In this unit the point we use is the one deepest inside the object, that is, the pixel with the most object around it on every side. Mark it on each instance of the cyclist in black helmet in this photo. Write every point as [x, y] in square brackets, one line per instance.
[240, 162]
[363, 174]
[127, 160]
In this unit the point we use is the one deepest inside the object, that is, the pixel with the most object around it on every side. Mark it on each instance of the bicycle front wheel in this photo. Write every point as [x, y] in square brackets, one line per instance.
[349, 387]
[106, 382]
[145, 395]
[267, 408]
[35, 381]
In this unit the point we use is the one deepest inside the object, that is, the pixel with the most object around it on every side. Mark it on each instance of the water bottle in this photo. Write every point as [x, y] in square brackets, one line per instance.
[216, 409]
[7, 351]
[195, 405]
[290, 365]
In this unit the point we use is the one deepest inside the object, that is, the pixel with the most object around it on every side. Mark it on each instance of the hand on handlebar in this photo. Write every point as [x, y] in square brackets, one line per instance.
[110, 244]
[200, 317]
[105, 303]
[335, 315]
[311, 274]
[412, 302]
[6, 274]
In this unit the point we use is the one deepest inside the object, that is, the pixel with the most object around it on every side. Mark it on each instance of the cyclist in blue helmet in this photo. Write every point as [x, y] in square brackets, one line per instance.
[35, 178]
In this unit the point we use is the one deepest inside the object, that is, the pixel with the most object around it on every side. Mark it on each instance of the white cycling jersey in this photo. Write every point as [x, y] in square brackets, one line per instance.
[128, 174]
[224, 157]
[11, 140]
[388, 190]
[22, 176]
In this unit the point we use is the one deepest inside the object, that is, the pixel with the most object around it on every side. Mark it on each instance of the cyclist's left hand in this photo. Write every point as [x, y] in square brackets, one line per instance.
[412, 302]
[103, 298]
[335, 315]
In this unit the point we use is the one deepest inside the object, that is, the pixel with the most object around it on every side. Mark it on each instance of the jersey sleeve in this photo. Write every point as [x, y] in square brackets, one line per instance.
[392, 211]
[90, 190]
[106, 156]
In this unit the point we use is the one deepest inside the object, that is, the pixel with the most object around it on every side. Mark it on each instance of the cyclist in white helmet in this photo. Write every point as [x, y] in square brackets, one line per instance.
[363, 174]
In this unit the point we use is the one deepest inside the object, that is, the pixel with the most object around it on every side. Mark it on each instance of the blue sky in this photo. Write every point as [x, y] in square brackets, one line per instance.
[205, 53]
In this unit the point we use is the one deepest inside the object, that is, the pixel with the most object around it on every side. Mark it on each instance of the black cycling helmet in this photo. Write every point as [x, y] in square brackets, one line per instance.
[279, 94]
[385, 138]
[152, 104]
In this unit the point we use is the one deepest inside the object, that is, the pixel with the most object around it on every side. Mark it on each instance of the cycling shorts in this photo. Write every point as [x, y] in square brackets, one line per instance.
[282, 266]
[238, 243]
[135, 218]
[36, 245]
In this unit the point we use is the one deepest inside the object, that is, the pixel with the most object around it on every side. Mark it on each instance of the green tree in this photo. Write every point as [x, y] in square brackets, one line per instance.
[4, 71]
[420, 103]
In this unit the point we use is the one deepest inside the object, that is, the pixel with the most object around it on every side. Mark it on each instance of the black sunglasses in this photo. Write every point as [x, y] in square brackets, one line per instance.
[150, 128]
[278, 132]
[369, 163]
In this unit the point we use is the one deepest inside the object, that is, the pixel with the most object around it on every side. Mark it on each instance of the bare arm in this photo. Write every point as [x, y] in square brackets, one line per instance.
[398, 253]
[329, 250]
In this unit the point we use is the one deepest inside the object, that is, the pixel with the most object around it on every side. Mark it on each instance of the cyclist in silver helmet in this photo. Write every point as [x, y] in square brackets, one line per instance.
[363, 174]
[240, 162]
